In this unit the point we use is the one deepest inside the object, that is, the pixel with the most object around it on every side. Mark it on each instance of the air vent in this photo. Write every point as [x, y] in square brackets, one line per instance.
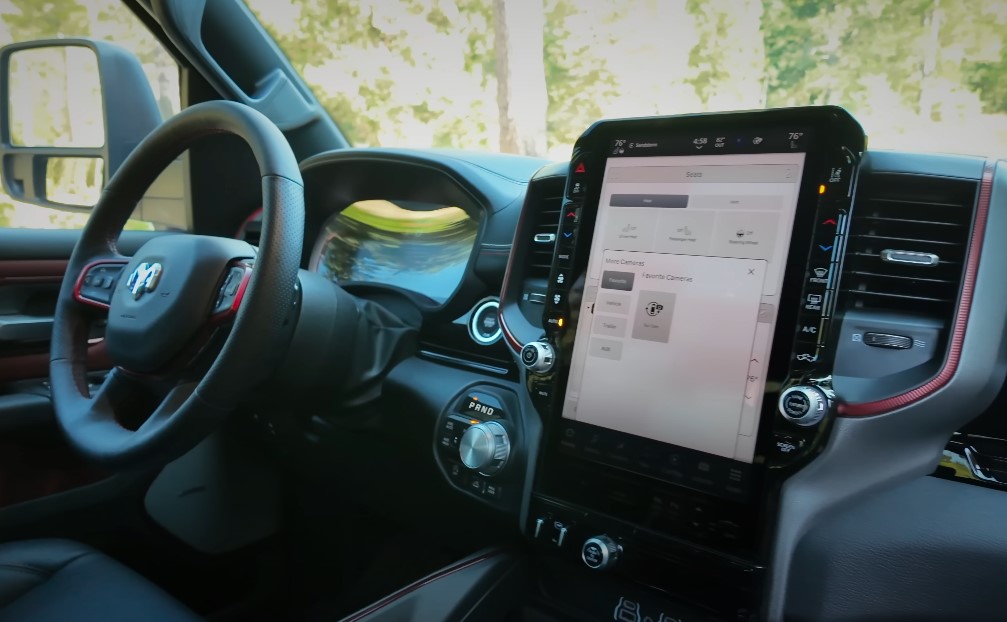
[543, 237]
[907, 244]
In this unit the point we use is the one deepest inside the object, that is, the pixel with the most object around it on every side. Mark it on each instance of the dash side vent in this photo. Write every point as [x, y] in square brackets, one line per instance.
[543, 237]
[908, 241]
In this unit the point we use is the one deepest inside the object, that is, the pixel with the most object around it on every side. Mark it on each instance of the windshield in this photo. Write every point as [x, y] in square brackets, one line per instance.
[528, 76]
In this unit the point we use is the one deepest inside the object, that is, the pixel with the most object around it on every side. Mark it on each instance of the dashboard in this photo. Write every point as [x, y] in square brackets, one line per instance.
[672, 360]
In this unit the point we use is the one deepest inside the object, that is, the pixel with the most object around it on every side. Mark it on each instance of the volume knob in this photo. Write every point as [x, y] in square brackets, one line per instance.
[600, 552]
[538, 357]
[485, 447]
[803, 405]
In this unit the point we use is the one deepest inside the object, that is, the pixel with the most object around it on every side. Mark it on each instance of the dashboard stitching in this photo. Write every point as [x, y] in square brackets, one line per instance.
[878, 407]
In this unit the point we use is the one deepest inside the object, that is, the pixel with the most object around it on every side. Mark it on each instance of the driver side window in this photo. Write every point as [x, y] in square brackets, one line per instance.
[55, 110]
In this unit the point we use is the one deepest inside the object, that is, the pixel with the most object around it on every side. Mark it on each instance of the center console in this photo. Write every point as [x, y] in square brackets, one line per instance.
[685, 363]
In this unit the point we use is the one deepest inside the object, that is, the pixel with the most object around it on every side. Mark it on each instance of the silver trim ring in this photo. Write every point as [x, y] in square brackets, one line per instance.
[479, 308]
[604, 553]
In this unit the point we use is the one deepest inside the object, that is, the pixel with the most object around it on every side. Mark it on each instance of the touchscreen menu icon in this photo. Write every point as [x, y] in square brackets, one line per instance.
[653, 319]
[611, 279]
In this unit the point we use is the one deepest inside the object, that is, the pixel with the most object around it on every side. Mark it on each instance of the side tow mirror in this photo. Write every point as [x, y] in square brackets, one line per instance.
[71, 110]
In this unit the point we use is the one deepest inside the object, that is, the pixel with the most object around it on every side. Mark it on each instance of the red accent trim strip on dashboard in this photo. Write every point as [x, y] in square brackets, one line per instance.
[412, 587]
[511, 340]
[878, 407]
[509, 337]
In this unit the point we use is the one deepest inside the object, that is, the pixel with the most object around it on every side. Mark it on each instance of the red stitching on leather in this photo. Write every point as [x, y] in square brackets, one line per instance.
[878, 407]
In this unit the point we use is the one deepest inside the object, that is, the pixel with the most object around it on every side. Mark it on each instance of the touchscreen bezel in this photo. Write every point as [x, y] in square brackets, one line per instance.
[826, 131]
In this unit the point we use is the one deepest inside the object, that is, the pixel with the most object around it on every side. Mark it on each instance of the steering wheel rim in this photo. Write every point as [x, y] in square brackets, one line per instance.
[191, 402]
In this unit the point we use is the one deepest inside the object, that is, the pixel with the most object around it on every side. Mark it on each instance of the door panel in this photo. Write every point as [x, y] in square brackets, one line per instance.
[32, 264]
[35, 460]
[39, 245]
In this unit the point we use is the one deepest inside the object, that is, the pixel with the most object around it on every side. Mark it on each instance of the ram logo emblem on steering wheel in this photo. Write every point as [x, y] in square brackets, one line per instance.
[144, 279]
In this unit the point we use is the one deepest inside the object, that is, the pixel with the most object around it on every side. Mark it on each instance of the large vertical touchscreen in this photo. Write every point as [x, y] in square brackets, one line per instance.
[681, 296]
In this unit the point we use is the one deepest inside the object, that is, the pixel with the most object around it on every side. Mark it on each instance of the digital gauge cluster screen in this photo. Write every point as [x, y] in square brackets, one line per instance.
[418, 246]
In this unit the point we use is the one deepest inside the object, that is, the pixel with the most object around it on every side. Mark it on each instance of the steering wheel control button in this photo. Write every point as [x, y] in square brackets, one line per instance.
[600, 552]
[485, 447]
[803, 405]
[885, 340]
[538, 357]
[484, 322]
[228, 294]
[97, 282]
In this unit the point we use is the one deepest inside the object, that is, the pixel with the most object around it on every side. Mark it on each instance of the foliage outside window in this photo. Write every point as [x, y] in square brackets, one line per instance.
[109, 20]
[528, 76]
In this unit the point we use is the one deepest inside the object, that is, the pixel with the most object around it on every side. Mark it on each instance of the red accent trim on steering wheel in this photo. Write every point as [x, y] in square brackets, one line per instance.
[80, 282]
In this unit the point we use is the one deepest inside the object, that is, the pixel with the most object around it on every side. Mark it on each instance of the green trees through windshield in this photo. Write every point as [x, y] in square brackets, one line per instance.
[920, 74]
[528, 76]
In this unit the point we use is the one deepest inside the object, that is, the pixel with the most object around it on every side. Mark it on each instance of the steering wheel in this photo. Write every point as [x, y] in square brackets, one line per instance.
[193, 321]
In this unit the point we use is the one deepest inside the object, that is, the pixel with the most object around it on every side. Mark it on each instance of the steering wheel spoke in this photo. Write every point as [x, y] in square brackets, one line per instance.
[128, 399]
[170, 404]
